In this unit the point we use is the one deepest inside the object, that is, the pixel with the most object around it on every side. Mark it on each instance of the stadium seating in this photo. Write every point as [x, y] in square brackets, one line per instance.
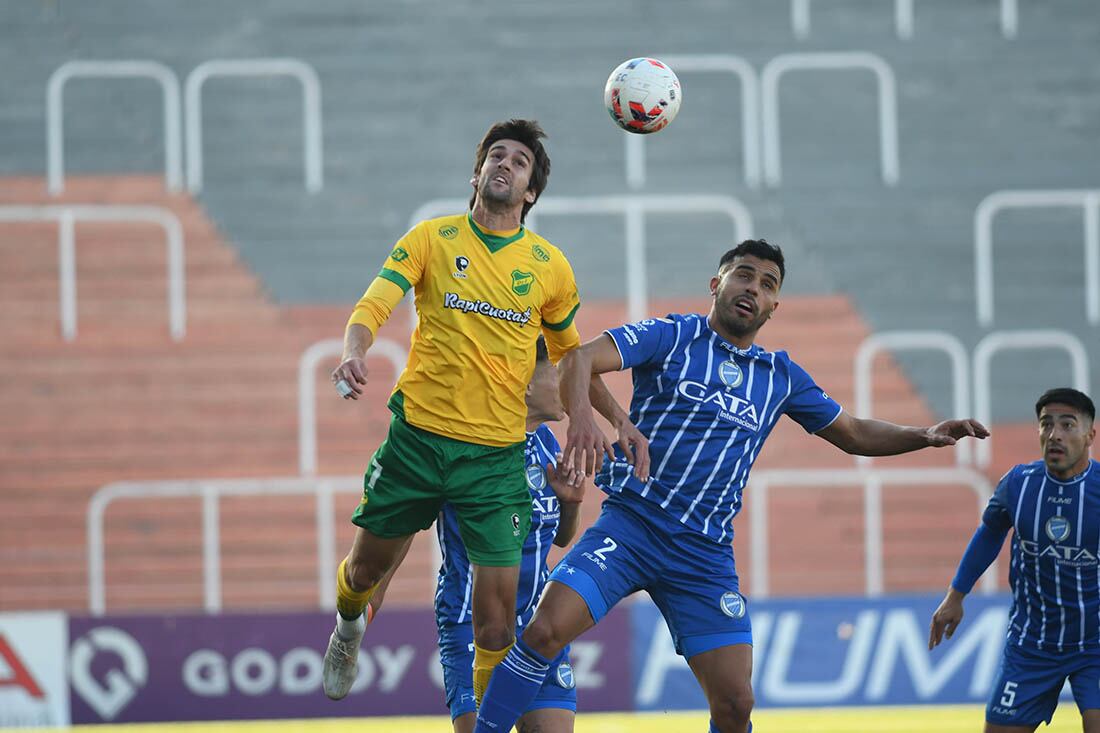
[272, 268]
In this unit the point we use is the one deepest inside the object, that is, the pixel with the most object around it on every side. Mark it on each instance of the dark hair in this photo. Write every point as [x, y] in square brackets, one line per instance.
[757, 248]
[528, 132]
[1066, 396]
[541, 354]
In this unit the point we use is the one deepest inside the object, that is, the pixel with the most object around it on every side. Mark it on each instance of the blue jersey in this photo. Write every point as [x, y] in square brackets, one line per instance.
[1055, 544]
[452, 595]
[707, 408]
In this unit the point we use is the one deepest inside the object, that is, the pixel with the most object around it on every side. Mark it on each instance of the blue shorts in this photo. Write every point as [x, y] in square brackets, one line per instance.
[456, 656]
[1027, 690]
[635, 545]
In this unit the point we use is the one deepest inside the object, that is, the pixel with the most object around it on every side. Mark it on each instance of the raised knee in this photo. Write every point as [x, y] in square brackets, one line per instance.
[541, 636]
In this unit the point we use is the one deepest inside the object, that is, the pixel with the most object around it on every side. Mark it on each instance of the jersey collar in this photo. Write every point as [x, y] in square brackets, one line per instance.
[494, 242]
[750, 352]
[1071, 479]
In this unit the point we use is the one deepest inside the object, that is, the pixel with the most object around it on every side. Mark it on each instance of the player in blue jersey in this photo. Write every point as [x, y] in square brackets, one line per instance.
[1053, 508]
[555, 514]
[706, 397]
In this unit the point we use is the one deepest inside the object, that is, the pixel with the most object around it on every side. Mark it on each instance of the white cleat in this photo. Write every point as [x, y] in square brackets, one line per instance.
[340, 665]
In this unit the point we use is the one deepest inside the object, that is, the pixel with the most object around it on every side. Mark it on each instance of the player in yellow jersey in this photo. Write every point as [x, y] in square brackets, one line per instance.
[485, 286]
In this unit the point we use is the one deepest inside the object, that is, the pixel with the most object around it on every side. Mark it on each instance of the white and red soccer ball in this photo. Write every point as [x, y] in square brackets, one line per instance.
[642, 95]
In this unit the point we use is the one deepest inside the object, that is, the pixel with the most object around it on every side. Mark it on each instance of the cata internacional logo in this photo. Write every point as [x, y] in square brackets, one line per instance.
[119, 686]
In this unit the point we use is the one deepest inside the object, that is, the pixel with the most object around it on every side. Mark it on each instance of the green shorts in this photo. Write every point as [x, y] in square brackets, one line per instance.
[415, 471]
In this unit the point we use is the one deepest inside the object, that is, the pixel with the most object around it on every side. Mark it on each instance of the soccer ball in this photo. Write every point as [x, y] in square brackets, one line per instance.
[642, 95]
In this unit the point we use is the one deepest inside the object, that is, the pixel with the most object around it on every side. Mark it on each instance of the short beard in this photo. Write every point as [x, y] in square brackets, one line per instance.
[491, 199]
[740, 331]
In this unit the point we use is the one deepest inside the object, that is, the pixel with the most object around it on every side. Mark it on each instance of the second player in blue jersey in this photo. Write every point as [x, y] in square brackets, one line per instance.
[1052, 507]
[707, 397]
[552, 522]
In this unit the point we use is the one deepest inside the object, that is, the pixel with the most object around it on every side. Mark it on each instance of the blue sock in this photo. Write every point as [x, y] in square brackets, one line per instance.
[715, 730]
[512, 688]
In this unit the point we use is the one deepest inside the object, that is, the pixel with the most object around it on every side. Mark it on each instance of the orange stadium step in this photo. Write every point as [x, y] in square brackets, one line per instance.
[109, 288]
[145, 309]
[130, 247]
[151, 378]
[42, 337]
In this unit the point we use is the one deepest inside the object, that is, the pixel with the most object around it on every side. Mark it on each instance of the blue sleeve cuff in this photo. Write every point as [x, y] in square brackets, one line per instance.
[983, 549]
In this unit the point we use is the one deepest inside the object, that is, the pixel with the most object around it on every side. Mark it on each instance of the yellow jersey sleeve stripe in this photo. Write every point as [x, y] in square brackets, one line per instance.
[564, 323]
[396, 278]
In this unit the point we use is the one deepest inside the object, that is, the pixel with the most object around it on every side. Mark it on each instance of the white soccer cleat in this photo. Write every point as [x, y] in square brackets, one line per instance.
[340, 665]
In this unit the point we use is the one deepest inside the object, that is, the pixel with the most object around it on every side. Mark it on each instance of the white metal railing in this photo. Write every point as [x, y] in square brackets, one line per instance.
[210, 491]
[1010, 19]
[307, 397]
[914, 340]
[55, 113]
[68, 215]
[887, 105]
[872, 480]
[1019, 341]
[800, 18]
[311, 111]
[633, 208]
[750, 114]
[1087, 199]
[903, 18]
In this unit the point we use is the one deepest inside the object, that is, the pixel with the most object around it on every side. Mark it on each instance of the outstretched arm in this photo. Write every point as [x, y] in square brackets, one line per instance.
[570, 521]
[635, 446]
[353, 367]
[866, 437]
[401, 271]
[568, 486]
[584, 441]
[983, 549]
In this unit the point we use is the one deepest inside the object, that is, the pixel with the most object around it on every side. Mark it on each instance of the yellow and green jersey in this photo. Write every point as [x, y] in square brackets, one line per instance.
[481, 297]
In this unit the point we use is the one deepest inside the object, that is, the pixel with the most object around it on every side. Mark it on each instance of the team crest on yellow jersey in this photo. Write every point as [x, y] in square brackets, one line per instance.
[522, 282]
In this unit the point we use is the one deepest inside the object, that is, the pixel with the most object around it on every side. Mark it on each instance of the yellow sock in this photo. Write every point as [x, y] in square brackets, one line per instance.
[485, 661]
[350, 603]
